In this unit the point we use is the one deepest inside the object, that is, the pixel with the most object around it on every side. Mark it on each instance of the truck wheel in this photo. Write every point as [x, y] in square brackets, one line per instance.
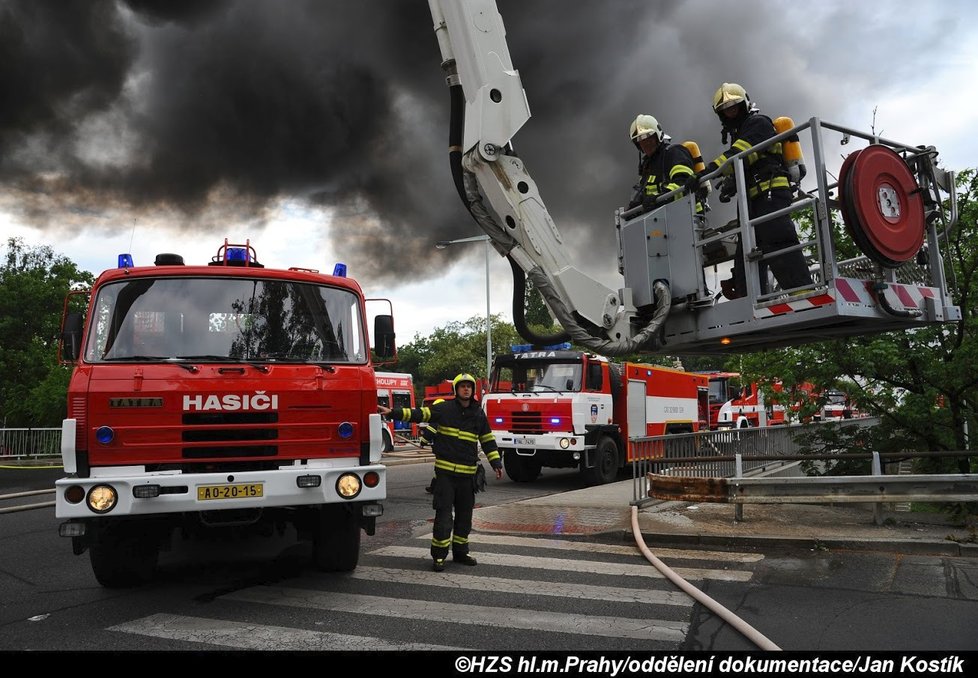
[388, 441]
[605, 458]
[336, 541]
[520, 469]
[122, 557]
[743, 423]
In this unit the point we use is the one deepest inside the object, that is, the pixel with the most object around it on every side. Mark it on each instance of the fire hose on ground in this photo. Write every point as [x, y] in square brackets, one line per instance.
[726, 615]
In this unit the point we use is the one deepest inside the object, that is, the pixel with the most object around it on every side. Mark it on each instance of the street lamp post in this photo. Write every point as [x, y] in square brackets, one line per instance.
[442, 244]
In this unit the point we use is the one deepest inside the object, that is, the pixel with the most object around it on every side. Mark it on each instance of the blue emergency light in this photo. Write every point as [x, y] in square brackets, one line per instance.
[526, 348]
[237, 254]
[125, 261]
[339, 270]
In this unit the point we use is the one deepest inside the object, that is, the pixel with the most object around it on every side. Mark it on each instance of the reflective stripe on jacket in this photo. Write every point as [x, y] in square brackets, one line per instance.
[461, 430]
[765, 170]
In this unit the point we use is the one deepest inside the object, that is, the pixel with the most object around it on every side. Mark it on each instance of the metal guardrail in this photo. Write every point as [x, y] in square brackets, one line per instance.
[716, 467]
[30, 443]
[712, 454]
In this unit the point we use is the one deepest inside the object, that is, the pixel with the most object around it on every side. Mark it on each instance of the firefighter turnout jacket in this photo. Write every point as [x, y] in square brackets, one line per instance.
[669, 168]
[460, 431]
[765, 170]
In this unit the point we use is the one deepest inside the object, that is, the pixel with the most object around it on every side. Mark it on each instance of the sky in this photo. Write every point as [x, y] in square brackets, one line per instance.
[317, 129]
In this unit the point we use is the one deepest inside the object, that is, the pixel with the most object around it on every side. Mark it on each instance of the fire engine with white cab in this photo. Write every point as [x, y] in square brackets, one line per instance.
[571, 409]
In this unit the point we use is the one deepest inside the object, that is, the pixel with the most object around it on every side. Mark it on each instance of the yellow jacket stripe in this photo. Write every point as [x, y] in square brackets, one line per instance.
[455, 468]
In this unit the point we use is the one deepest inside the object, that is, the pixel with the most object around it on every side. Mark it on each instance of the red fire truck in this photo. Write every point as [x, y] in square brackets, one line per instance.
[567, 409]
[396, 389]
[227, 395]
[736, 406]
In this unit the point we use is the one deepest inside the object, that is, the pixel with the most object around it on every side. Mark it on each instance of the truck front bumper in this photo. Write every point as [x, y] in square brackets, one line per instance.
[140, 493]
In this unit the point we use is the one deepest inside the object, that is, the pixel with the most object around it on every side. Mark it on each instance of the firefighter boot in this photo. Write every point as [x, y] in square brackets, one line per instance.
[438, 565]
[464, 560]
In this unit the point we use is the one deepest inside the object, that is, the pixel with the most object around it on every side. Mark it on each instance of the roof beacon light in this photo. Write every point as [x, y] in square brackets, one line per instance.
[125, 261]
[339, 270]
[237, 254]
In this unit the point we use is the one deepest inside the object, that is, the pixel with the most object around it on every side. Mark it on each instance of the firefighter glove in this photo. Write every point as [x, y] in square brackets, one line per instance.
[728, 189]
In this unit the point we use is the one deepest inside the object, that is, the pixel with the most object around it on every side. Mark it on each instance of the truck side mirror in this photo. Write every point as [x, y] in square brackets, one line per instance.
[71, 336]
[594, 378]
[384, 337]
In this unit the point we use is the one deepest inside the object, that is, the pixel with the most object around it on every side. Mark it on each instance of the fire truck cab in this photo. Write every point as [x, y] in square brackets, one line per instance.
[396, 389]
[570, 409]
[225, 396]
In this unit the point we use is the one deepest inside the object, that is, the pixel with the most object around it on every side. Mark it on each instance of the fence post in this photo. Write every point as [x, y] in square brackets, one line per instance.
[738, 473]
[877, 470]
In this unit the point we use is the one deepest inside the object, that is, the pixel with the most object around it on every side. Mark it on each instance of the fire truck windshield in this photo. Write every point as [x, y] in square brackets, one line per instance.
[530, 375]
[225, 319]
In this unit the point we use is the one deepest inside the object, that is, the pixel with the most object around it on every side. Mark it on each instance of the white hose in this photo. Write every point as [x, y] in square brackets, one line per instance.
[726, 615]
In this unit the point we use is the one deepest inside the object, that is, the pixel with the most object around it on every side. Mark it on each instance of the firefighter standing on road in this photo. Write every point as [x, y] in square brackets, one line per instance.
[768, 190]
[462, 427]
[663, 167]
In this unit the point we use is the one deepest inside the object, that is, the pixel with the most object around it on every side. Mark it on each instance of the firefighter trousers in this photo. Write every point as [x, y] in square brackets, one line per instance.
[789, 269]
[453, 501]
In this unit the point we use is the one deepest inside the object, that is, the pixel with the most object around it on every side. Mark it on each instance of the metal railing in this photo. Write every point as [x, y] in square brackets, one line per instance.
[718, 466]
[713, 454]
[30, 443]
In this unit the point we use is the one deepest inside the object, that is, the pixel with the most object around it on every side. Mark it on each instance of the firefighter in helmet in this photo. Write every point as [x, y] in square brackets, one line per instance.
[768, 190]
[426, 436]
[462, 427]
[663, 167]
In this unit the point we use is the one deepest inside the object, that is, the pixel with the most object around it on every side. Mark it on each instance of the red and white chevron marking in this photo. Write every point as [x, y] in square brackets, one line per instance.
[852, 291]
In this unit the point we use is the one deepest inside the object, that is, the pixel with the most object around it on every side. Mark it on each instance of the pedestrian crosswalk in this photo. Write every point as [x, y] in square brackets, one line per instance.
[528, 593]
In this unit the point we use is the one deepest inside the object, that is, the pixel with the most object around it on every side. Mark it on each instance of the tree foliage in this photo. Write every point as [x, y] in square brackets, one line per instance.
[33, 285]
[456, 347]
[923, 382]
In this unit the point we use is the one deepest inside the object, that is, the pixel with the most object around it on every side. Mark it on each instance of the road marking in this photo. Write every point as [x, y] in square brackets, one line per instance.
[521, 586]
[478, 615]
[560, 564]
[590, 547]
[257, 636]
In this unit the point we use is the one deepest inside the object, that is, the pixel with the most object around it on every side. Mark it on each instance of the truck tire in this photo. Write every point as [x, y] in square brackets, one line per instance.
[122, 556]
[605, 458]
[520, 469]
[743, 423]
[388, 441]
[336, 539]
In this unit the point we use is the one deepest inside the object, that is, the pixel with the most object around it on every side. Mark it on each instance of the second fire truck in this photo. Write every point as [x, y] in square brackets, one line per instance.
[571, 409]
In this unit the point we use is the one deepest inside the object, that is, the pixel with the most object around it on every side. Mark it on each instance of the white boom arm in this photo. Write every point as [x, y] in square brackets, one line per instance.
[475, 56]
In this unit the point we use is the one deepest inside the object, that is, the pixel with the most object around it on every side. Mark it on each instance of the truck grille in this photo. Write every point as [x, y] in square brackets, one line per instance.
[528, 423]
[240, 436]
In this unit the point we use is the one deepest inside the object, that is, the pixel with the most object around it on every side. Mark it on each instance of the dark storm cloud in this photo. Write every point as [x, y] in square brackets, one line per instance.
[148, 103]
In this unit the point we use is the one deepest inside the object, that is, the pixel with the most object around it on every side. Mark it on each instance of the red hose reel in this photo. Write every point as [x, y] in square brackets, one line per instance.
[882, 205]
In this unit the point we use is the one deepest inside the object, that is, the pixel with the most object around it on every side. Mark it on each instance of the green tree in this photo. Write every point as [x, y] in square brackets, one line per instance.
[923, 382]
[33, 285]
[451, 349]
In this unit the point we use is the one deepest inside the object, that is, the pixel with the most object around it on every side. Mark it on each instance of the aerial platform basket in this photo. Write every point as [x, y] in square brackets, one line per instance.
[891, 203]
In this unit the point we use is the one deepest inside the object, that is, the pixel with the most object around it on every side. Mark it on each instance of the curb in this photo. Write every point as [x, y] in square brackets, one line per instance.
[923, 547]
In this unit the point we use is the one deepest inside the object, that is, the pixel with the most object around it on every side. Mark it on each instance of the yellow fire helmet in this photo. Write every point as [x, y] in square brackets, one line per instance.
[729, 94]
[463, 377]
[644, 126]
[440, 400]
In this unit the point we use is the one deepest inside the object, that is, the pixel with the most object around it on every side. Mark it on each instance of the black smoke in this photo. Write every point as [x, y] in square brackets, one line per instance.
[199, 108]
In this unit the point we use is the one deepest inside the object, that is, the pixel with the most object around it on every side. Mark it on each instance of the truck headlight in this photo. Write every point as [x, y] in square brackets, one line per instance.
[564, 443]
[102, 498]
[348, 485]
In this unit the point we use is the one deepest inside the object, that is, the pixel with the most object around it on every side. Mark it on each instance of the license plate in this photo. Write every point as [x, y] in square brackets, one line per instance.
[243, 491]
[526, 440]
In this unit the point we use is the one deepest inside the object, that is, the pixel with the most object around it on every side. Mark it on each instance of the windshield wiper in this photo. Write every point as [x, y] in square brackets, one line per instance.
[261, 367]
